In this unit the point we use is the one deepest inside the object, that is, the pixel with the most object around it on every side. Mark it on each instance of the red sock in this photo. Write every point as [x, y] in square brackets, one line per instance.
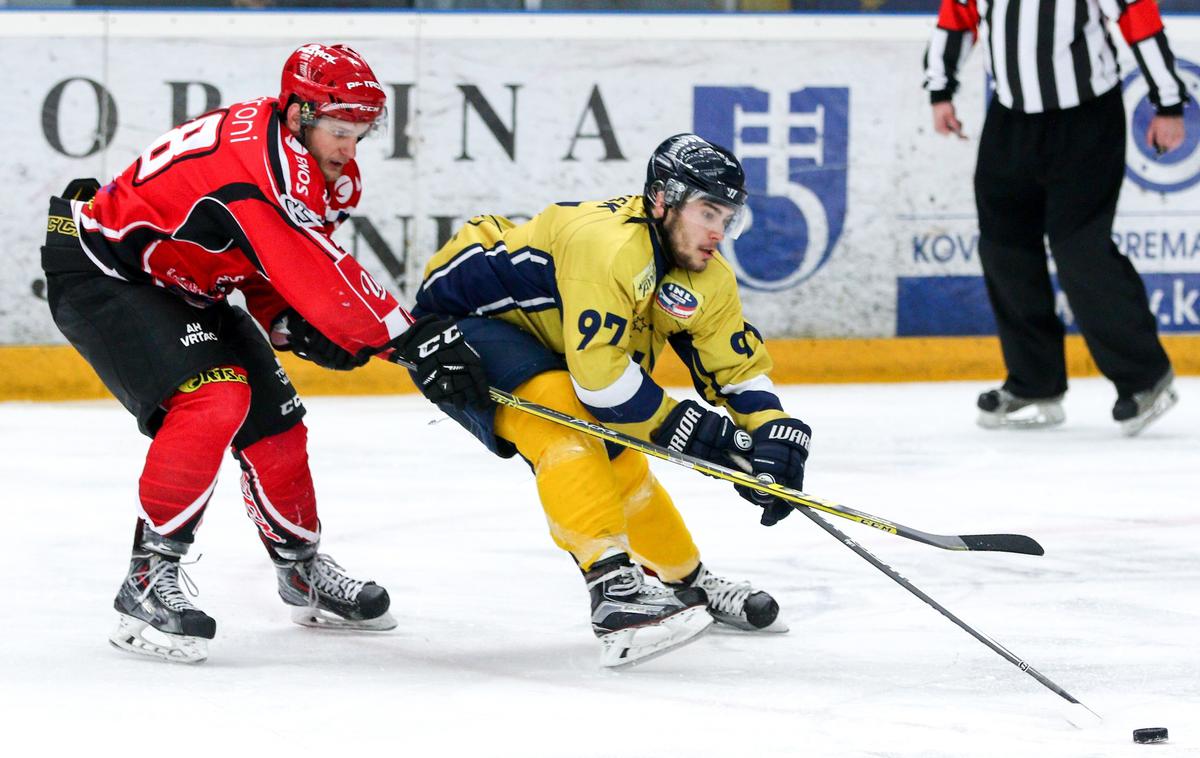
[278, 490]
[182, 464]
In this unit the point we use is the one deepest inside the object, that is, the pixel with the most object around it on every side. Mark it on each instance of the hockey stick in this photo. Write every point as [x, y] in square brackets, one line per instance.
[1004, 543]
[1079, 720]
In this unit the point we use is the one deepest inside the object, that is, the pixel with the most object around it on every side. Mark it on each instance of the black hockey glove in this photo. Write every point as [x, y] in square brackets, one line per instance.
[291, 332]
[780, 450]
[691, 429]
[445, 368]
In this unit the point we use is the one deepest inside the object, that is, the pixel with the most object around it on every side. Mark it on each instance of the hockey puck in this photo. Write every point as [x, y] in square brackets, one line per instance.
[1150, 734]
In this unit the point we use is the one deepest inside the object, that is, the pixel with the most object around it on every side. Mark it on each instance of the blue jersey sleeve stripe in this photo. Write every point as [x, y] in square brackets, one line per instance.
[640, 407]
[489, 282]
[706, 383]
[753, 401]
[745, 402]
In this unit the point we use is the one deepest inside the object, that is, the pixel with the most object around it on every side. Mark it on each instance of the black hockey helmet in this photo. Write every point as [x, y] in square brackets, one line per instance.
[685, 167]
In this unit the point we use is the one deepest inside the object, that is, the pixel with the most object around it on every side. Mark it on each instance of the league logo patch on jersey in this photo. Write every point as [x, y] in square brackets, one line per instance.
[797, 193]
[677, 300]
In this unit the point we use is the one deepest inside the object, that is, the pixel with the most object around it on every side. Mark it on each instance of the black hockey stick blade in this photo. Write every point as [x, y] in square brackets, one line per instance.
[1004, 543]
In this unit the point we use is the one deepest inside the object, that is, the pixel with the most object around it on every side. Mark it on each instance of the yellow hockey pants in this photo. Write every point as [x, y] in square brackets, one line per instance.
[591, 503]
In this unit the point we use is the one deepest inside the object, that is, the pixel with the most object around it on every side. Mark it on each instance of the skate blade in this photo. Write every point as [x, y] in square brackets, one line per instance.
[1165, 402]
[316, 618]
[733, 624]
[131, 637]
[630, 647]
[1036, 416]
[775, 627]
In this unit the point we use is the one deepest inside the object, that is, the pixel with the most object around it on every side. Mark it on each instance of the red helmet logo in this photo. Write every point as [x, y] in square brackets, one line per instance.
[335, 81]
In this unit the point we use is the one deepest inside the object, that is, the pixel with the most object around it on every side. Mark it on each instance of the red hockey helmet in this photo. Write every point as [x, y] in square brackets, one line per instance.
[333, 81]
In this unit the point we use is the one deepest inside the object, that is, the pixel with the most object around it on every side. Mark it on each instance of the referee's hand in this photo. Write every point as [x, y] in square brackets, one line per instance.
[1165, 133]
[945, 121]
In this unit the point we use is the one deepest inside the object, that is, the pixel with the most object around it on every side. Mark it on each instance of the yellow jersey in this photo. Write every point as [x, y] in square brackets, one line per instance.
[592, 282]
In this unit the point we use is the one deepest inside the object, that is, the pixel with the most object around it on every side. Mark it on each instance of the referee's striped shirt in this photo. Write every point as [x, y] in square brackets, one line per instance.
[1051, 54]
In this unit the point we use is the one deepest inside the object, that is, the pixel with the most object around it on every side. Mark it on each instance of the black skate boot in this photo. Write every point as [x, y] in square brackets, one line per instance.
[156, 618]
[636, 621]
[1137, 411]
[1001, 409]
[735, 604]
[323, 596]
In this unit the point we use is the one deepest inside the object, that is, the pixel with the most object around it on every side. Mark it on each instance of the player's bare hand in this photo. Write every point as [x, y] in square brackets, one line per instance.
[1165, 133]
[945, 121]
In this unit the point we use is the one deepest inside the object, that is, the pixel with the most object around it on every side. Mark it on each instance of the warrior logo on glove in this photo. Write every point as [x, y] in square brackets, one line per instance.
[793, 434]
[692, 430]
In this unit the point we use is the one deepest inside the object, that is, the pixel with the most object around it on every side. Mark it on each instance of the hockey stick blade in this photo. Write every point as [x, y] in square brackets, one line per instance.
[1004, 543]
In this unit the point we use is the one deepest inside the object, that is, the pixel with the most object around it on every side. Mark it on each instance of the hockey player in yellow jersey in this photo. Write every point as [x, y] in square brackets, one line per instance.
[571, 310]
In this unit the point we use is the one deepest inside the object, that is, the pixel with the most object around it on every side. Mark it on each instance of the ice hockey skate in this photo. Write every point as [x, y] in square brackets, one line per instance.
[156, 617]
[323, 596]
[736, 604]
[1001, 409]
[635, 621]
[1141, 409]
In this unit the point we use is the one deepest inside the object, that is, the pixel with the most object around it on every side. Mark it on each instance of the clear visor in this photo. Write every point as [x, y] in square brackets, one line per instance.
[713, 214]
[352, 124]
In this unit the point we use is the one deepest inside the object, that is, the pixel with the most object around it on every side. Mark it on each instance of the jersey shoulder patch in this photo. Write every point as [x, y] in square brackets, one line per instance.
[643, 283]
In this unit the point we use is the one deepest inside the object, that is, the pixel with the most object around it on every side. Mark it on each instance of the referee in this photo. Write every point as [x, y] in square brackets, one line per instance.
[1051, 162]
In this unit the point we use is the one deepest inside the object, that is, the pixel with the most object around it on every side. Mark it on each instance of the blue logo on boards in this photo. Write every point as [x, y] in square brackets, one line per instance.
[953, 306]
[793, 146]
[1178, 169]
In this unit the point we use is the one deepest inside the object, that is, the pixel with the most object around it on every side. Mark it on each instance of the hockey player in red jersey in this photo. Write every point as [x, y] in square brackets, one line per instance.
[243, 198]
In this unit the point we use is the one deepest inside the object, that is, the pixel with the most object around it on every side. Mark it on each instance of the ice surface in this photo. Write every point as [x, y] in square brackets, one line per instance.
[494, 655]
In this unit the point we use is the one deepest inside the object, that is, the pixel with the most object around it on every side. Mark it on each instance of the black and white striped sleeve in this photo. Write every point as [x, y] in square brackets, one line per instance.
[1142, 28]
[949, 46]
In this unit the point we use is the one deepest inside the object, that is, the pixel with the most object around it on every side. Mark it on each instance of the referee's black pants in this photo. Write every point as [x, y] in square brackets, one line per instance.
[1058, 175]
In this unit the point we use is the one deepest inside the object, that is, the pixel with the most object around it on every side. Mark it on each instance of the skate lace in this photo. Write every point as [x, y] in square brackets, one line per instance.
[326, 575]
[628, 581]
[163, 578]
[724, 595]
[624, 580]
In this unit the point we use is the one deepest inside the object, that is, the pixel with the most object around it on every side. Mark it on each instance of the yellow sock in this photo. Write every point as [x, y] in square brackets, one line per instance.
[657, 535]
[575, 480]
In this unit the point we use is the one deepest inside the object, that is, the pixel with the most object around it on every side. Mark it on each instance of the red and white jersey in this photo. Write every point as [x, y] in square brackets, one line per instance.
[231, 200]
